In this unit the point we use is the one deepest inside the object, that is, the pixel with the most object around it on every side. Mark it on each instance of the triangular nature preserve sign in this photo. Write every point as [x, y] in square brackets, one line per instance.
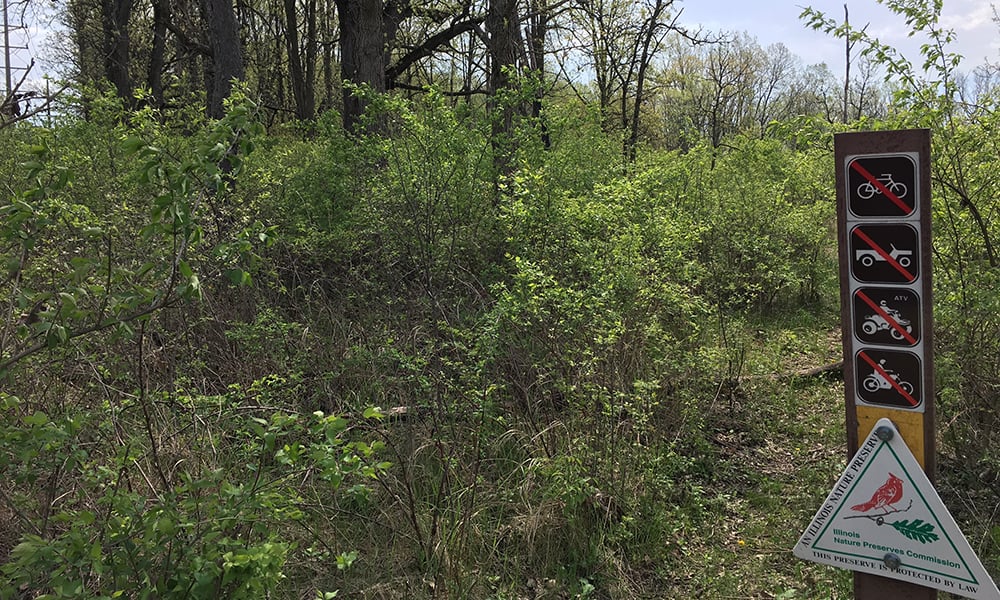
[884, 517]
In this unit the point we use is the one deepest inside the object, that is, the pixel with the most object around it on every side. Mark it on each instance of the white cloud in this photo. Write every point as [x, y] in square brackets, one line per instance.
[967, 16]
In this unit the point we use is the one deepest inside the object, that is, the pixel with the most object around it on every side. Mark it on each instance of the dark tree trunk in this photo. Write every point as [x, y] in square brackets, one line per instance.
[302, 72]
[645, 57]
[227, 55]
[311, 50]
[115, 15]
[538, 26]
[329, 48]
[154, 78]
[362, 53]
[503, 29]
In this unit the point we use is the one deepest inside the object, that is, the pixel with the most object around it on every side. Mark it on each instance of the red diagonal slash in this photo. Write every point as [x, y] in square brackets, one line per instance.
[878, 309]
[892, 261]
[881, 187]
[895, 384]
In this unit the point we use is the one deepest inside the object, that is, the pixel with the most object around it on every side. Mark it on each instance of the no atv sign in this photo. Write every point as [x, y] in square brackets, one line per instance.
[886, 316]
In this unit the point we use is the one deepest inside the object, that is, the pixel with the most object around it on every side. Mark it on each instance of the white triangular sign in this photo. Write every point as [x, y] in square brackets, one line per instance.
[884, 517]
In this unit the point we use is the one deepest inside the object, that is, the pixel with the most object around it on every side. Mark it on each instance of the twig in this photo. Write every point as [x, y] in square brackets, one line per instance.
[883, 515]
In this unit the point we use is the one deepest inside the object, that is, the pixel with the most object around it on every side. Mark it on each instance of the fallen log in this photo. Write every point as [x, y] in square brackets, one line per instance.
[831, 370]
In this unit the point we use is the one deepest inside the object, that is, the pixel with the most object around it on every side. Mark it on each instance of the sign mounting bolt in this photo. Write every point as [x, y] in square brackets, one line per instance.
[885, 434]
[892, 561]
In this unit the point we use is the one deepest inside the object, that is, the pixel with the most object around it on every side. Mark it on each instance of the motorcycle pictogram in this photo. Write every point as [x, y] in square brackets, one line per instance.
[876, 381]
[867, 189]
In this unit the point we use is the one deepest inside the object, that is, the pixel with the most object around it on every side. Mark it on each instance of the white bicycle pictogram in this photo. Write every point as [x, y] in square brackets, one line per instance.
[867, 189]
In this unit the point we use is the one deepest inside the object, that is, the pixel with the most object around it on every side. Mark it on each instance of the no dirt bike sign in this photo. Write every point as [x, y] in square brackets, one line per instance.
[888, 377]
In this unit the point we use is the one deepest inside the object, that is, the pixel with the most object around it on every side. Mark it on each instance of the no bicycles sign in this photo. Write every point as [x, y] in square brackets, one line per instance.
[882, 186]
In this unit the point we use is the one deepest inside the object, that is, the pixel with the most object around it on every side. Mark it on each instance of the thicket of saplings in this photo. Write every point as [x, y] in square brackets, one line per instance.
[247, 364]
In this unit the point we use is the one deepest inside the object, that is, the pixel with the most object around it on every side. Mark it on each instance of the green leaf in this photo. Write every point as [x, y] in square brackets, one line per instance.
[346, 559]
[185, 269]
[132, 145]
[13, 266]
[334, 427]
[37, 419]
[917, 531]
[238, 277]
[68, 304]
[64, 176]
[56, 335]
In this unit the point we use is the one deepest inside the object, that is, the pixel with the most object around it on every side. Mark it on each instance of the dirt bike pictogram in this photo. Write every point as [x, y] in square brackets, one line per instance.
[876, 381]
[867, 189]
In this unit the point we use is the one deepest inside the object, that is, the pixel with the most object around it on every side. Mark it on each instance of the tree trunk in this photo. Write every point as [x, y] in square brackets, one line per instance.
[645, 57]
[301, 72]
[227, 54]
[538, 26]
[847, 65]
[503, 29]
[311, 49]
[115, 15]
[362, 53]
[328, 48]
[154, 77]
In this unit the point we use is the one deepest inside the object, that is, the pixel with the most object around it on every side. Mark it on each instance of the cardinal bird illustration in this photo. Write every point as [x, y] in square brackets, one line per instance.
[891, 492]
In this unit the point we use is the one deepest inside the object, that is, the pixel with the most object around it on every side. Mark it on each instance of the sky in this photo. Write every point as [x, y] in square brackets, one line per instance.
[773, 21]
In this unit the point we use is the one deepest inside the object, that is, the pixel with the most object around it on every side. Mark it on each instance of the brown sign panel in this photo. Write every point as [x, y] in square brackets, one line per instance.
[884, 235]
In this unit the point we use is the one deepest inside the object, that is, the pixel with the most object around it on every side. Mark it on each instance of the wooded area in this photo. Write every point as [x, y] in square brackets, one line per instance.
[458, 300]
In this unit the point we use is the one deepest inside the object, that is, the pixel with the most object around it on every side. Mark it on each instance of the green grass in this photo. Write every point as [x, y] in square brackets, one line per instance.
[779, 450]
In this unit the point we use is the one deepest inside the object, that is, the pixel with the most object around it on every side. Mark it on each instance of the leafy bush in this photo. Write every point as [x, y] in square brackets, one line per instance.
[144, 510]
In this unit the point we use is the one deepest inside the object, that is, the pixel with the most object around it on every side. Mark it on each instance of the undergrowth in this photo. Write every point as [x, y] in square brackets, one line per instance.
[363, 367]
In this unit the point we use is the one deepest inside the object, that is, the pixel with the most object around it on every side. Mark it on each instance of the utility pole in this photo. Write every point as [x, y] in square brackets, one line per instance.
[10, 81]
[8, 87]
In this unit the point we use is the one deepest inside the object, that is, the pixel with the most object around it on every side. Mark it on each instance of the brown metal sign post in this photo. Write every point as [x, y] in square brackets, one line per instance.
[884, 231]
